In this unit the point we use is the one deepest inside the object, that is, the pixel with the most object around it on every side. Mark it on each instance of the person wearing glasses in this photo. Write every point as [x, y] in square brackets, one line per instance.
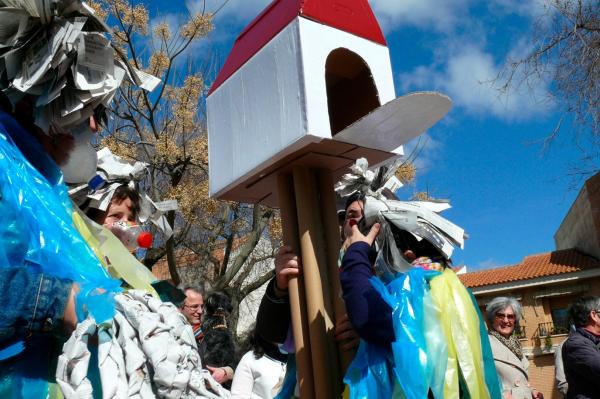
[503, 316]
[193, 309]
[581, 351]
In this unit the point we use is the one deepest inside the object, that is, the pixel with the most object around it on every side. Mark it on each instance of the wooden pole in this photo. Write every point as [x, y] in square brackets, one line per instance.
[308, 224]
[332, 240]
[287, 205]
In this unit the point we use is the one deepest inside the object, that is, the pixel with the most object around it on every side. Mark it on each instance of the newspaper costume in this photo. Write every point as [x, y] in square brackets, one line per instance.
[145, 334]
[55, 52]
[420, 219]
[440, 347]
[47, 44]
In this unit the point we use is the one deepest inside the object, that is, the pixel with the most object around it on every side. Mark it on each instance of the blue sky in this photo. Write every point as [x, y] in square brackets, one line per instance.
[486, 155]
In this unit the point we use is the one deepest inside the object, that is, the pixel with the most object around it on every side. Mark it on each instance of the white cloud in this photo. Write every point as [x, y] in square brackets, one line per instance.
[440, 15]
[490, 263]
[468, 75]
[527, 8]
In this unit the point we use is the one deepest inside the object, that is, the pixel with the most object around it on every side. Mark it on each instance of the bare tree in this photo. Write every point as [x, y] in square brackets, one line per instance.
[167, 130]
[566, 48]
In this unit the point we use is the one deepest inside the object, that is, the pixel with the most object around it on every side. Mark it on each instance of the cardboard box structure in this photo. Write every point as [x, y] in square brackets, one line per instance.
[307, 82]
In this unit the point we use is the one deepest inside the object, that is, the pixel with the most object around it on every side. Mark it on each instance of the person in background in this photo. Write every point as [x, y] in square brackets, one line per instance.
[193, 308]
[559, 371]
[261, 370]
[503, 316]
[581, 351]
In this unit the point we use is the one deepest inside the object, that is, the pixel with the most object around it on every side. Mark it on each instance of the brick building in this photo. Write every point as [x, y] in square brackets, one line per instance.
[581, 226]
[546, 284]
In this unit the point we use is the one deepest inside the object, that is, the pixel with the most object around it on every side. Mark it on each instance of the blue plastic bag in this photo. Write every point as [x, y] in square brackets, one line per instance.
[36, 225]
[369, 374]
[414, 365]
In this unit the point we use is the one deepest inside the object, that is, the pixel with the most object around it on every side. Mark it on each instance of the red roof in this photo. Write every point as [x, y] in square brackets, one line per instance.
[534, 266]
[353, 16]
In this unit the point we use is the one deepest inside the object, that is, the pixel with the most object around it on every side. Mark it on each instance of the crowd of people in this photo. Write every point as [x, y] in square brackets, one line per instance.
[67, 297]
[258, 368]
[261, 370]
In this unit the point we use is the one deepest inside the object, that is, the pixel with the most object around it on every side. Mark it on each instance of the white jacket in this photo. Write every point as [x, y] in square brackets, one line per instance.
[257, 378]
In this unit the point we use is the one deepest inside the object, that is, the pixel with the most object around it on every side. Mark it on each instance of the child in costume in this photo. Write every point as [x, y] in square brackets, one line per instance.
[57, 267]
[422, 333]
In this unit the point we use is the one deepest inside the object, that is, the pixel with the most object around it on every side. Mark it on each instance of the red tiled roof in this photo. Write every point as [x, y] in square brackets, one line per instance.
[533, 266]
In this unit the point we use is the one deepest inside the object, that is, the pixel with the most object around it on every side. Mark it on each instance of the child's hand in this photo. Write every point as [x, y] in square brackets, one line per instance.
[357, 236]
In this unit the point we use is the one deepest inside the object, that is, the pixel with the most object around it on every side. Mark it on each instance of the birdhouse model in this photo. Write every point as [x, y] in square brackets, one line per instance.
[307, 82]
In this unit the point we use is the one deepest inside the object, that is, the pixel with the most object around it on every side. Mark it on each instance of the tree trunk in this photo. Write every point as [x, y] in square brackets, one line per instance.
[171, 252]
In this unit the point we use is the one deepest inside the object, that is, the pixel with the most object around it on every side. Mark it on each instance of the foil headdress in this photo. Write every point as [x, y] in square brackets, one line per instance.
[417, 223]
[113, 172]
[57, 52]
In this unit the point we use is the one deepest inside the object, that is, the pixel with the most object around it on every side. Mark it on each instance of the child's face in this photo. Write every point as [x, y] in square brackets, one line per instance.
[119, 213]
[353, 212]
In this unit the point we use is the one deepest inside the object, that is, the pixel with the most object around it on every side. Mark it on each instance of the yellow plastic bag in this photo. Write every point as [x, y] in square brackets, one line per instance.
[113, 254]
[460, 325]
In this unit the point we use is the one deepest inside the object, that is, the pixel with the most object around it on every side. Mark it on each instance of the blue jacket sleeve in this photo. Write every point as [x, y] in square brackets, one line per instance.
[370, 315]
[30, 302]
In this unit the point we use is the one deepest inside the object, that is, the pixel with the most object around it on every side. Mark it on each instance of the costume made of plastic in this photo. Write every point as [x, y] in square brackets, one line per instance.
[422, 334]
[41, 254]
[426, 337]
[421, 331]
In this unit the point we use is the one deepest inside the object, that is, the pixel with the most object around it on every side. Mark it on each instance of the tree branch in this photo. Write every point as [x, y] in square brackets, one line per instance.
[256, 284]
[259, 222]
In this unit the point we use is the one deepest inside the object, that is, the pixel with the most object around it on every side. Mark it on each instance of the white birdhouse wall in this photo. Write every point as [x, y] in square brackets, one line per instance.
[318, 43]
[277, 102]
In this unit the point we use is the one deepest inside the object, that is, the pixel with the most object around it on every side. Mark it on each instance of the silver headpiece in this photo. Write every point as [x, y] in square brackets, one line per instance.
[420, 219]
[113, 172]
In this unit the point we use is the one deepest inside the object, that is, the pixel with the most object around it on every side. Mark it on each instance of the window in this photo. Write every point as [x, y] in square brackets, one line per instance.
[559, 310]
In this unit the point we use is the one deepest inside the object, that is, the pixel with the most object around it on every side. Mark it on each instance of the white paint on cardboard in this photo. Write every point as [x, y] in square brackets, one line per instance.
[398, 121]
[258, 112]
[318, 41]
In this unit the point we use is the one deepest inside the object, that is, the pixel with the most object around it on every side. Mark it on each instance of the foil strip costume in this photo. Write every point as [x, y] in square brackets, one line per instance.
[48, 247]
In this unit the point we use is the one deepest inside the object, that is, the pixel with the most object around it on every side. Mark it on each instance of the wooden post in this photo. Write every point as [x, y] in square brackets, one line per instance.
[309, 232]
[332, 239]
[287, 205]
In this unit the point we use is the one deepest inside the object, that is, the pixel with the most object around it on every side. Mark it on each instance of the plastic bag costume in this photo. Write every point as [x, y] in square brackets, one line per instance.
[441, 347]
[55, 246]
